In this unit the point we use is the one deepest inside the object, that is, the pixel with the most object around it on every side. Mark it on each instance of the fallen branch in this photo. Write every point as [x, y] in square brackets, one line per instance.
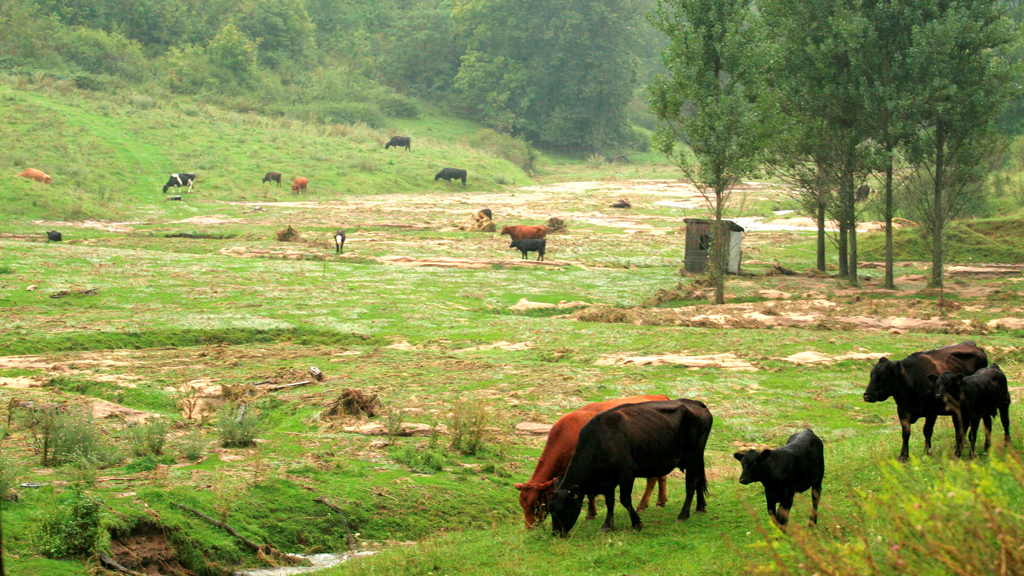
[281, 386]
[344, 520]
[110, 564]
[265, 549]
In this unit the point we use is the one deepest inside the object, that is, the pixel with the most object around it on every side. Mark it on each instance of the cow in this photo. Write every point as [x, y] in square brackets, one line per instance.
[53, 236]
[299, 185]
[339, 241]
[400, 142]
[646, 440]
[783, 472]
[521, 231]
[450, 174]
[906, 381]
[273, 177]
[975, 398]
[554, 459]
[179, 180]
[37, 175]
[622, 203]
[530, 245]
[861, 193]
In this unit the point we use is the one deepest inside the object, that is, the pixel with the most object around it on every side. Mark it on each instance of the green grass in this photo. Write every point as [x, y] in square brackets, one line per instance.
[967, 242]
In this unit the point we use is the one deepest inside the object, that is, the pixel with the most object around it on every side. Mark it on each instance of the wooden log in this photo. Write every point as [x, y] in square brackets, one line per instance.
[110, 564]
[344, 520]
[282, 386]
[252, 545]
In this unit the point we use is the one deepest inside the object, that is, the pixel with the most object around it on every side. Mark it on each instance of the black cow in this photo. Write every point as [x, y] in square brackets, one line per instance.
[179, 180]
[907, 382]
[645, 440]
[450, 174]
[976, 397]
[53, 236]
[530, 245]
[273, 177]
[783, 472]
[861, 193]
[399, 142]
[339, 241]
[486, 212]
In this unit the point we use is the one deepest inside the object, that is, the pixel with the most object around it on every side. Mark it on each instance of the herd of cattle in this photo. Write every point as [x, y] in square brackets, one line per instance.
[607, 445]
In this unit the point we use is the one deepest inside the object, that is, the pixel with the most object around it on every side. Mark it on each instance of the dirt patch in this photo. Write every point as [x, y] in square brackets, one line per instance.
[469, 263]
[524, 305]
[1006, 324]
[108, 226]
[105, 409]
[146, 550]
[725, 361]
[533, 428]
[812, 357]
[501, 345]
[20, 383]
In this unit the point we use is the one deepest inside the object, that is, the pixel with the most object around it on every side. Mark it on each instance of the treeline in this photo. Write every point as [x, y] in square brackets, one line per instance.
[561, 73]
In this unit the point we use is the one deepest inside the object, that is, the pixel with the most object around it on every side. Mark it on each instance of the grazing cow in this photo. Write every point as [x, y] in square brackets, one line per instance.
[560, 445]
[53, 236]
[400, 142]
[783, 472]
[522, 231]
[976, 397]
[299, 185]
[907, 382]
[37, 175]
[179, 180]
[450, 174]
[530, 245]
[339, 241]
[861, 193]
[273, 177]
[646, 440]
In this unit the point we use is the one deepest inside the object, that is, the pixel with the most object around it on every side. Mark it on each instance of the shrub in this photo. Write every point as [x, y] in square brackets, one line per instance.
[70, 530]
[398, 107]
[237, 427]
[515, 150]
[467, 426]
[425, 461]
[63, 436]
[147, 438]
[10, 470]
[192, 445]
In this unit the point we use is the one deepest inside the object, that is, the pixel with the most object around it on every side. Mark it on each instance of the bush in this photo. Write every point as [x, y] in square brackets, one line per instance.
[64, 436]
[10, 470]
[98, 52]
[237, 427]
[425, 461]
[147, 438]
[515, 150]
[192, 445]
[467, 426]
[70, 530]
[398, 107]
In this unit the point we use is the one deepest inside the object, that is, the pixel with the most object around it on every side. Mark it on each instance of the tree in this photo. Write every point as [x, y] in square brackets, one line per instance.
[559, 72]
[705, 102]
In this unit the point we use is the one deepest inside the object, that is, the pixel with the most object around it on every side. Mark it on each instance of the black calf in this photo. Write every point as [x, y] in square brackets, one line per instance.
[976, 397]
[530, 245]
[795, 467]
[450, 174]
[273, 177]
[53, 236]
[399, 142]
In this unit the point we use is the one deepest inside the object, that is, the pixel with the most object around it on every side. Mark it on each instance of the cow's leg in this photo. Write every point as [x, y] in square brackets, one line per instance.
[782, 515]
[771, 511]
[959, 429]
[609, 520]
[988, 431]
[815, 498]
[1004, 417]
[905, 426]
[974, 436]
[591, 507]
[691, 488]
[646, 499]
[663, 492]
[929, 425]
[626, 497]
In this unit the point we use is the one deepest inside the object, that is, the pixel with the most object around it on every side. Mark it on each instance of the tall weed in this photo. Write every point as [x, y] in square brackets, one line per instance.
[237, 427]
[72, 529]
[467, 426]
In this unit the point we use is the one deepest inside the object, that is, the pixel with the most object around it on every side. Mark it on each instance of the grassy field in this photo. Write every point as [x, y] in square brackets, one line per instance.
[147, 302]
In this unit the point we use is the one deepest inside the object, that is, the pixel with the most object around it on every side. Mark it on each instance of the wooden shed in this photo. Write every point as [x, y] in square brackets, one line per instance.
[698, 244]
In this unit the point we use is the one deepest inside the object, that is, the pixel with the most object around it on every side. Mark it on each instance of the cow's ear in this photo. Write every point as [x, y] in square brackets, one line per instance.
[520, 485]
[546, 485]
[739, 456]
[959, 378]
[883, 360]
[575, 492]
[765, 454]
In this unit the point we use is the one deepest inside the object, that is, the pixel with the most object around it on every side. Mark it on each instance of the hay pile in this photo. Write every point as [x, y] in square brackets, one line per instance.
[479, 222]
[288, 235]
[352, 403]
[556, 226]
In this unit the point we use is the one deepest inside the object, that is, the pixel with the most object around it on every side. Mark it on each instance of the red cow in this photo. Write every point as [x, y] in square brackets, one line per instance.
[521, 231]
[36, 175]
[561, 443]
[300, 185]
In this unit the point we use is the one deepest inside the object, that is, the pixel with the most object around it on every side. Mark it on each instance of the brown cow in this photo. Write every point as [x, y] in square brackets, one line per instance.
[300, 184]
[522, 231]
[36, 175]
[561, 443]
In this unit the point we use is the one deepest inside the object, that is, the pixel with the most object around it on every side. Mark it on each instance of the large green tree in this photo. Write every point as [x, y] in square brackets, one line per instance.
[558, 71]
[706, 101]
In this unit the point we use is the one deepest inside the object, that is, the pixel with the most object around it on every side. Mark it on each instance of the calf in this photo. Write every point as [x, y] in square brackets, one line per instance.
[646, 440]
[273, 177]
[558, 450]
[339, 241]
[861, 193]
[783, 472]
[907, 382]
[976, 397]
[179, 180]
[521, 231]
[400, 142]
[449, 174]
[530, 245]
[299, 185]
[53, 236]
[37, 175]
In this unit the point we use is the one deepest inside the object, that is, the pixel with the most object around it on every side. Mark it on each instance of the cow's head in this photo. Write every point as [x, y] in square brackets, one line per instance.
[565, 505]
[947, 387]
[883, 376]
[754, 464]
[506, 230]
[534, 500]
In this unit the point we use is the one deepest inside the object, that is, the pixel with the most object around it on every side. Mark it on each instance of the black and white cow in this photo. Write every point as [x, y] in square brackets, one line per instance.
[339, 241]
[179, 180]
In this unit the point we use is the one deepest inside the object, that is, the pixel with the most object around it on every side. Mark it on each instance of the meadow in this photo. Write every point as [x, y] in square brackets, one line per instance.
[148, 305]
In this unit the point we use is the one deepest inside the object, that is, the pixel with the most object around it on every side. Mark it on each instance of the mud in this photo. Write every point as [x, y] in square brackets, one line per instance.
[725, 361]
[146, 550]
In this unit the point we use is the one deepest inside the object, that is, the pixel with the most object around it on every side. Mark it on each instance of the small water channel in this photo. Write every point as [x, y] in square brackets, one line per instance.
[320, 561]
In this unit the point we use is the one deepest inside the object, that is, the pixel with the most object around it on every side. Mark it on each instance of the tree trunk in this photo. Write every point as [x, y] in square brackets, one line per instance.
[821, 232]
[889, 282]
[721, 250]
[842, 249]
[938, 214]
[853, 252]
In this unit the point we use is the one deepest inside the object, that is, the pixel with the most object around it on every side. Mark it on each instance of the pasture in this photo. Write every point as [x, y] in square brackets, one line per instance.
[453, 332]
